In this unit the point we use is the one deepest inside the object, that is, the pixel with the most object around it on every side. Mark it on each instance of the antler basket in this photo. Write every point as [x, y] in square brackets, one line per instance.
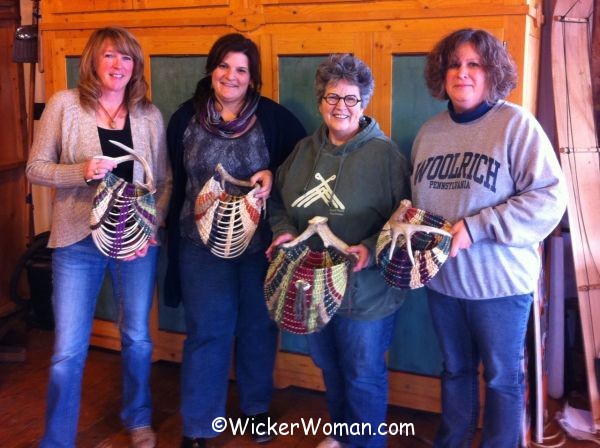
[304, 288]
[419, 243]
[123, 216]
[226, 223]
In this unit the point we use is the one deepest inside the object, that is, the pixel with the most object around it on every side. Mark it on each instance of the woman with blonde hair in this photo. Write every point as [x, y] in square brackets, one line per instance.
[72, 153]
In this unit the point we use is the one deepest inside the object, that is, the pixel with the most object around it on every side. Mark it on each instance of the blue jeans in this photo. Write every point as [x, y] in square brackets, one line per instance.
[224, 301]
[78, 273]
[351, 355]
[490, 331]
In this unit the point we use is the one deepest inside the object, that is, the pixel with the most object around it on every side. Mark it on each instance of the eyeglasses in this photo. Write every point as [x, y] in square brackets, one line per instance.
[349, 100]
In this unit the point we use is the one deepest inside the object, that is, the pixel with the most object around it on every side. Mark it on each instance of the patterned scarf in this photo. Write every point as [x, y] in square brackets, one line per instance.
[210, 117]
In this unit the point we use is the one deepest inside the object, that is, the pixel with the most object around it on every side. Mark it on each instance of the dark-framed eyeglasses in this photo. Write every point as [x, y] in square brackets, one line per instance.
[349, 100]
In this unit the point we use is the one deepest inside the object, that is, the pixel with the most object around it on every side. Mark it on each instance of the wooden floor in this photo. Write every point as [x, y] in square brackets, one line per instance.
[23, 391]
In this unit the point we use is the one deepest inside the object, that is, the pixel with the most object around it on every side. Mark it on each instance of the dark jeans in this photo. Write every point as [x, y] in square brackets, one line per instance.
[224, 301]
[351, 354]
[491, 331]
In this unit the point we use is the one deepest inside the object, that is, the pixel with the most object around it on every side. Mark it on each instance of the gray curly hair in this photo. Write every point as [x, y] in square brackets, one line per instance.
[346, 67]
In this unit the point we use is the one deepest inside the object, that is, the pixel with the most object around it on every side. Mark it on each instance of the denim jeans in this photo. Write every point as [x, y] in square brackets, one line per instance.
[490, 331]
[224, 302]
[77, 274]
[351, 355]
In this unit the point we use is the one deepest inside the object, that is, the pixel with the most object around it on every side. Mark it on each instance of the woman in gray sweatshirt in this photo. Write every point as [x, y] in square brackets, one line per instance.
[487, 166]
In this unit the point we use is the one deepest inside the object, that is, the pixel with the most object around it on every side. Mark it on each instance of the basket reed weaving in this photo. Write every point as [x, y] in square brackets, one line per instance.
[123, 216]
[419, 243]
[304, 288]
[226, 223]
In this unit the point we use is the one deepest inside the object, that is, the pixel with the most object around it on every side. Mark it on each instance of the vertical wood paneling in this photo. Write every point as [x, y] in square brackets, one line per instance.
[13, 224]
[13, 213]
[12, 125]
[596, 64]
[514, 35]
[382, 68]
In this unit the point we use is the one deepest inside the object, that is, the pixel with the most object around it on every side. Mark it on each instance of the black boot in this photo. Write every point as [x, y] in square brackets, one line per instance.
[259, 425]
[196, 442]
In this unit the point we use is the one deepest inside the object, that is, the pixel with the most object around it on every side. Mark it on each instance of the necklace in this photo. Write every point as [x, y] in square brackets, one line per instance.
[111, 119]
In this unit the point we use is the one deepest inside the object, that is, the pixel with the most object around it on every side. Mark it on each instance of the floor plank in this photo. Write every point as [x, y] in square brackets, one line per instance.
[23, 390]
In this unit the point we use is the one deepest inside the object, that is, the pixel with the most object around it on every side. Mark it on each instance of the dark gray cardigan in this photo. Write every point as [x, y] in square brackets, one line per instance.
[282, 131]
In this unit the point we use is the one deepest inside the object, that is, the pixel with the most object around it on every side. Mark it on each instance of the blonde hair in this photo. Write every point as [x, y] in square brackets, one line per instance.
[124, 42]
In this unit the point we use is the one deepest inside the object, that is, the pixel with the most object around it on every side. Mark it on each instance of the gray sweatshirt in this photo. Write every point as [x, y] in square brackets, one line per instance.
[500, 174]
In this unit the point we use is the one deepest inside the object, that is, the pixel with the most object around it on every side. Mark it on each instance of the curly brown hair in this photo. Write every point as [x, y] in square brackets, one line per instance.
[90, 88]
[500, 69]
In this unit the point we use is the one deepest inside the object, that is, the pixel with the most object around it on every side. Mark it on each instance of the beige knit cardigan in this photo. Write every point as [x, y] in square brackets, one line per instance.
[66, 138]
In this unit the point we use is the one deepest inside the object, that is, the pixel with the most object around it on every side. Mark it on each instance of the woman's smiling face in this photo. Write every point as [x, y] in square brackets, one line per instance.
[231, 79]
[466, 79]
[342, 121]
[114, 69]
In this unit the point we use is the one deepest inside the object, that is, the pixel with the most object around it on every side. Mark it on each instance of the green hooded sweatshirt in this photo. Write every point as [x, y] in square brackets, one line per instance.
[357, 186]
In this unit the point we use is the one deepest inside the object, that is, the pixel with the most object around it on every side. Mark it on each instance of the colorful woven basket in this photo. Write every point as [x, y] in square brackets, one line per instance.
[123, 216]
[412, 246]
[304, 288]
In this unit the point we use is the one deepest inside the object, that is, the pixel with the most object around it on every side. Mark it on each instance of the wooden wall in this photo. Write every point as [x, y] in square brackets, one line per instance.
[372, 29]
[13, 190]
[596, 64]
[384, 33]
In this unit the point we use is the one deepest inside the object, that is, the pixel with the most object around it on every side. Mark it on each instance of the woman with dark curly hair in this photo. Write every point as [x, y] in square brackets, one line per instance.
[351, 173]
[486, 165]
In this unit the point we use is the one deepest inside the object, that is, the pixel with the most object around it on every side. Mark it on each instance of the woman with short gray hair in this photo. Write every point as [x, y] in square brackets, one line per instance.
[351, 173]
[345, 67]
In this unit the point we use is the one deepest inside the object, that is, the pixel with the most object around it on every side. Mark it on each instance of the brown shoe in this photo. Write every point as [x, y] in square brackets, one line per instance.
[143, 437]
[330, 442]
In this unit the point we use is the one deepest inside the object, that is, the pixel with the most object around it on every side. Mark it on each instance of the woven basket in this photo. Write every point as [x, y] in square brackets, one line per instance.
[304, 288]
[226, 223]
[123, 214]
[429, 251]
[123, 217]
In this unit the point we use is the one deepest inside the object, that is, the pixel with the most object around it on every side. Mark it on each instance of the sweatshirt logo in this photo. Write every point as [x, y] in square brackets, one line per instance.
[323, 192]
[455, 171]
